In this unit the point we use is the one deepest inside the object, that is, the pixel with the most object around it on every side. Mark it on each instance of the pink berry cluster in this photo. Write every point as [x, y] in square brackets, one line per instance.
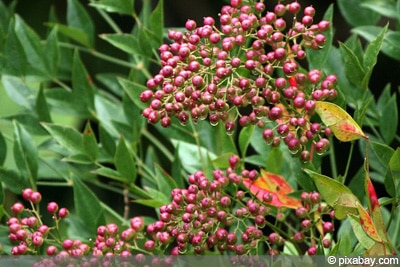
[245, 72]
[218, 215]
[27, 230]
[205, 217]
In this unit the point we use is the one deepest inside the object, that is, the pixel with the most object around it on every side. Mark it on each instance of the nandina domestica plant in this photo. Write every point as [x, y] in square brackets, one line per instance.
[219, 138]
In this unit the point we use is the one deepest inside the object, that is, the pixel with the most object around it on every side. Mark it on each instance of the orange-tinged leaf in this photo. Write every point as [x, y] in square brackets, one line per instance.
[368, 224]
[276, 186]
[342, 124]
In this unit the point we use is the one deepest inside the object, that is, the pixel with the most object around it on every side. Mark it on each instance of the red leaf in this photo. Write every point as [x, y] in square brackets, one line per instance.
[276, 186]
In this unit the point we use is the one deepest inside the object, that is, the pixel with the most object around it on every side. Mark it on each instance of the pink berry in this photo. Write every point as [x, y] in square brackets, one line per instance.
[35, 197]
[17, 208]
[52, 207]
[63, 213]
[26, 193]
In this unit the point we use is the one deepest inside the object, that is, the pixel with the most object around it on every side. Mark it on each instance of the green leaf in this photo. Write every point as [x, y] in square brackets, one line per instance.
[398, 11]
[87, 205]
[109, 173]
[13, 180]
[52, 55]
[42, 108]
[355, 14]
[31, 44]
[382, 7]
[18, 91]
[66, 136]
[190, 155]
[359, 232]
[392, 176]
[245, 138]
[107, 112]
[126, 42]
[317, 58]
[110, 81]
[107, 141]
[78, 35]
[78, 18]
[3, 149]
[14, 61]
[157, 21]
[124, 162]
[82, 84]
[371, 56]
[275, 161]
[133, 90]
[176, 169]
[391, 43]
[25, 154]
[353, 68]
[152, 203]
[379, 157]
[388, 129]
[90, 143]
[122, 6]
[335, 194]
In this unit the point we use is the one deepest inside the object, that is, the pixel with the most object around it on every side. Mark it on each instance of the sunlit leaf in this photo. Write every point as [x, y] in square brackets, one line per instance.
[276, 186]
[342, 124]
[335, 194]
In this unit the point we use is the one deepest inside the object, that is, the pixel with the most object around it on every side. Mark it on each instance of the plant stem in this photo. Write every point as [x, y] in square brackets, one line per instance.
[332, 159]
[348, 163]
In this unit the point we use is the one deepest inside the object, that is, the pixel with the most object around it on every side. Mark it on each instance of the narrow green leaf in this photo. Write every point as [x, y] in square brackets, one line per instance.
[122, 6]
[165, 183]
[317, 58]
[382, 7]
[52, 55]
[82, 83]
[107, 141]
[124, 161]
[388, 129]
[392, 177]
[126, 42]
[152, 203]
[176, 169]
[275, 161]
[107, 112]
[42, 108]
[13, 180]
[15, 60]
[157, 20]
[3, 149]
[335, 194]
[87, 205]
[398, 11]
[31, 44]
[25, 154]
[78, 35]
[190, 155]
[109, 80]
[353, 68]
[133, 90]
[18, 91]
[355, 14]
[90, 143]
[66, 136]
[379, 157]
[77, 17]
[391, 43]
[245, 138]
[109, 173]
[383, 99]
[371, 56]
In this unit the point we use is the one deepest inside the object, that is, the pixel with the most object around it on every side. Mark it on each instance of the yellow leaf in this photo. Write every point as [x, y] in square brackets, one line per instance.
[341, 123]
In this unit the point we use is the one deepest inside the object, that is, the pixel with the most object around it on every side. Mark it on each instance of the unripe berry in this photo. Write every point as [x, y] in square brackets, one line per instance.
[52, 207]
[51, 250]
[190, 25]
[63, 213]
[26, 193]
[17, 208]
[312, 250]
